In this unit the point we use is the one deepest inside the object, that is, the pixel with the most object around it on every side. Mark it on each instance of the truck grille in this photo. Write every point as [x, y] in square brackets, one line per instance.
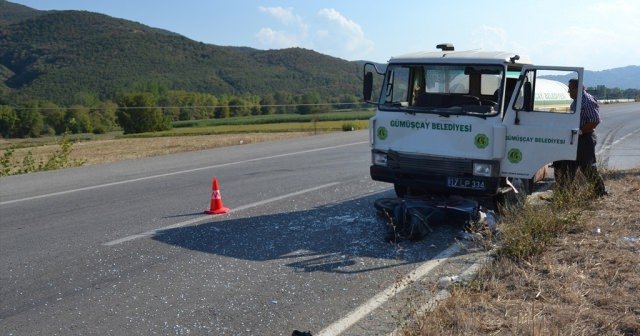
[429, 164]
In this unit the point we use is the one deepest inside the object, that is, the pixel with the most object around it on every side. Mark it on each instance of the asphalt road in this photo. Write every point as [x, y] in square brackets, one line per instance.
[618, 134]
[124, 248]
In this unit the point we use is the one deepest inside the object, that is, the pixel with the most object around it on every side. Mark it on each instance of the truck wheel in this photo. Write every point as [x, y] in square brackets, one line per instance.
[401, 190]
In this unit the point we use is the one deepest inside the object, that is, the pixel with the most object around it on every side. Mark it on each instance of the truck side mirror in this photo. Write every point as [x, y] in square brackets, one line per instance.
[367, 86]
[528, 99]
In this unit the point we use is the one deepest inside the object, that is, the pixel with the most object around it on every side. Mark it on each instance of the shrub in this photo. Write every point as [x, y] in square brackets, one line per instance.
[349, 127]
[61, 158]
[5, 161]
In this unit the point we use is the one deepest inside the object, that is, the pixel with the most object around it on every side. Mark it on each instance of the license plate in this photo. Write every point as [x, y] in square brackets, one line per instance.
[465, 183]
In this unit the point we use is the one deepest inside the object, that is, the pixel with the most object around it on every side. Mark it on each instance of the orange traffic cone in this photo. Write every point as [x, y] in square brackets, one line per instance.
[216, 207]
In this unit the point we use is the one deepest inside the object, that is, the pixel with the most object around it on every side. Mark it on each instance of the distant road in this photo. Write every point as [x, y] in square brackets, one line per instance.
[124, 249]
[619, 136]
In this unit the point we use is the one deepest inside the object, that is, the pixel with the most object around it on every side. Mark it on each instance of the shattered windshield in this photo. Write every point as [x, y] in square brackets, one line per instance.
[443, 89]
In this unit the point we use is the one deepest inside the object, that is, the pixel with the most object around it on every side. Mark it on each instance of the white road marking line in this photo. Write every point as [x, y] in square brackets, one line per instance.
[441, 295]
[178, 172]
[466, 276]
[615, 142]
[205, 217]
[372, 304]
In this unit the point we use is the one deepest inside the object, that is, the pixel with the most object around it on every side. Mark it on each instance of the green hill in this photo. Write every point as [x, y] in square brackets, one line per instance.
[12, 13]
[60, 55]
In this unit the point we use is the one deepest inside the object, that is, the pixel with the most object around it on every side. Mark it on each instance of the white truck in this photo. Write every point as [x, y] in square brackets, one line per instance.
[469, 122]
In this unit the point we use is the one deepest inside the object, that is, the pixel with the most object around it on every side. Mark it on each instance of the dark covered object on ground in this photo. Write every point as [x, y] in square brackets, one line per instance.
[414, 218]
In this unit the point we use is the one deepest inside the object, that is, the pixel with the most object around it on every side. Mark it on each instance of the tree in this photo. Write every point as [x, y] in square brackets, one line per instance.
[283, 99]
[631, 93]
[614, 93]
[8, 121]
[138, 113]
[222, 111]
[346, 101]
[253, 102]
[239, 107]
[53, 117]
[103, 117]
[156, 88]
[85, 98]
[267, 103]
[197, 106]
[308, 103]
[29, 122]
[77, 119]
[210, 101]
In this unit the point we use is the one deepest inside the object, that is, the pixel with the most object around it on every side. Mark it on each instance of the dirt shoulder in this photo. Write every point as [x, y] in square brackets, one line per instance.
[586, 283]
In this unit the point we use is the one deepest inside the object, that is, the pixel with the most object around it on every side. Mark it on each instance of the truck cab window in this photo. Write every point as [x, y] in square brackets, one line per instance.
[443, 89]
[396, 87]
[548, 92]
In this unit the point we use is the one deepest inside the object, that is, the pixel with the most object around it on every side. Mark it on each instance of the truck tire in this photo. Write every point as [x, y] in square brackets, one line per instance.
[401, 190]
[404, 191]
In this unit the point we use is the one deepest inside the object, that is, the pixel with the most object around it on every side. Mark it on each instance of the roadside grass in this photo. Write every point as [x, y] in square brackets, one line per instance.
[526, 231]
[568, 266]
[109, 150]
[313, 127]
[18, 143]
[279, 118]
[27, 163]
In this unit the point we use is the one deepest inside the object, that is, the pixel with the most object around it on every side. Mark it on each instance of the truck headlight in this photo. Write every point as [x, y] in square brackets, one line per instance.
[379, 159]
[482, 169]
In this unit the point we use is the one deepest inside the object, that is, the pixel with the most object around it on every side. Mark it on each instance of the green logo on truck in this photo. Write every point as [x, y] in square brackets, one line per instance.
[514, 155]
[382, 133]
[481, 141]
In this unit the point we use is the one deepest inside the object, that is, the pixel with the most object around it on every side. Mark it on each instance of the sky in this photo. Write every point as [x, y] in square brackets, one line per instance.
[596, 35]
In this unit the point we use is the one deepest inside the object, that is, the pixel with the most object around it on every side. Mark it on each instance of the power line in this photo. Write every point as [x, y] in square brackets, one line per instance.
[180, 107]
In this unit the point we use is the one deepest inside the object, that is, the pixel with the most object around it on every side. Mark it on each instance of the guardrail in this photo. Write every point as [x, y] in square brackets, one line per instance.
[610, 101]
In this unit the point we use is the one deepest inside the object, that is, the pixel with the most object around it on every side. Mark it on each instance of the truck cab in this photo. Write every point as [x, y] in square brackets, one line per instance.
[468, 122]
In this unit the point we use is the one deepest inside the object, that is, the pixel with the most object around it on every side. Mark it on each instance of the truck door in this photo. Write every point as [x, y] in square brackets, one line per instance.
[541, 122]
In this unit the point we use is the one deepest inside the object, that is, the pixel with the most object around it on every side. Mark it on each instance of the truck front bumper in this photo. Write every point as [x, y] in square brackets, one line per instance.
[437, 183]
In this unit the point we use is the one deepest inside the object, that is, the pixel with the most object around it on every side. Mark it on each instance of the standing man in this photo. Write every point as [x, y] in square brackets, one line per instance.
[586, 158]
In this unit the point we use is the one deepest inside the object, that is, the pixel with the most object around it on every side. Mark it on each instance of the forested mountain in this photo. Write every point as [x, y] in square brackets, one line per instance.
[623, 78]
[69, 57]
[12, 13]
[60, 55]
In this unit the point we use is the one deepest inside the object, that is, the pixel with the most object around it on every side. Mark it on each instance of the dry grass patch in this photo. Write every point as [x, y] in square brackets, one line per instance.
[112, 150]
[586, 281]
